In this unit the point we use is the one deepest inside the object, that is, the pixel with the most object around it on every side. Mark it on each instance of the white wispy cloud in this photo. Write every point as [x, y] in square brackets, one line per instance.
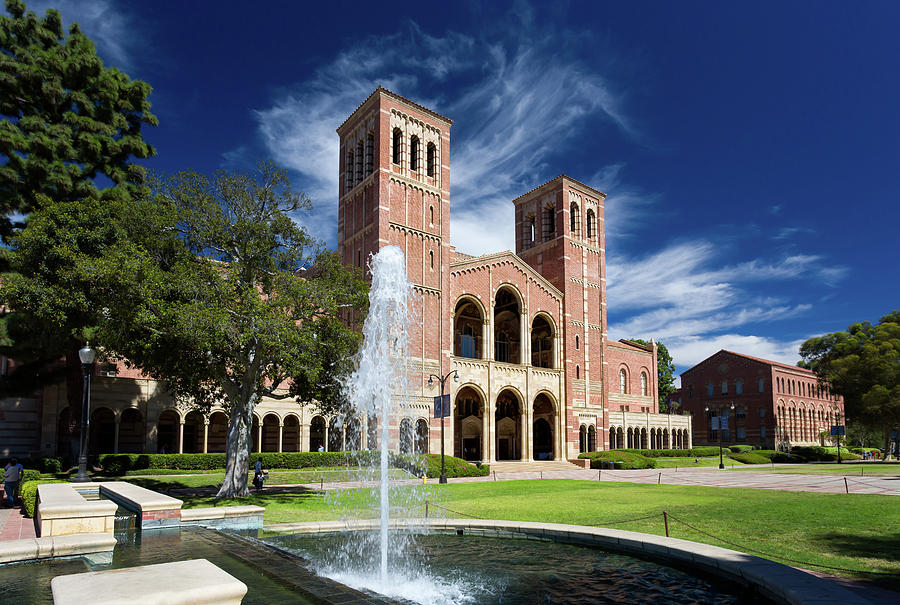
[522, 101]
[105, 22]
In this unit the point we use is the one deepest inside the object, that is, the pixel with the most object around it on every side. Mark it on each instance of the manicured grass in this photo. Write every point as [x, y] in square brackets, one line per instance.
[177, 480]
[856, 532]
[890, 469]
[693, 462]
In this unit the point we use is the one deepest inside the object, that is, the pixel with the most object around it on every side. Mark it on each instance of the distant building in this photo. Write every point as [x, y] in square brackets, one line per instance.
[776, 405]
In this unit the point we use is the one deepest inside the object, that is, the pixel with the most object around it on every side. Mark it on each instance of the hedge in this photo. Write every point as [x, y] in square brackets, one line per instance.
[750, 458]
[43, 465]
[696, 452]
[819, 453]
[740, 449]
[630, 459]
[119, 464]
[28, 493]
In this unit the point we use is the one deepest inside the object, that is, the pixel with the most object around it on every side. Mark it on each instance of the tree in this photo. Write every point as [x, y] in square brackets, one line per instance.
[665, 371]
[863, 365]
[67, 120]
[231, 301]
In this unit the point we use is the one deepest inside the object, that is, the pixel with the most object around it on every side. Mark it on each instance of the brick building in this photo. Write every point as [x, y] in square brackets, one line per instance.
[776, 405]
[526, 331]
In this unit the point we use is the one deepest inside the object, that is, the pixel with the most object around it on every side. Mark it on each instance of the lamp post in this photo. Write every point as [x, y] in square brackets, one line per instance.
[86, 355]
[837, 417]
[443, 381]
[719, 410]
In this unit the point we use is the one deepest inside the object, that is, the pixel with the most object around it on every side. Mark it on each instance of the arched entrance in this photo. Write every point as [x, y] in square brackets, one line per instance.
[218, 432]
[421, 436]
[290, 439]
[582, 439]
[335, 435]
[316, 434]
[372, 433]
[167, 432]
[507, 337]
[467, 325]
[468, 423]
[508, 420]
[542, 343]
[406, 436]
[542, 430]
[103, 431]
[354, 434]
[131, 431]
[270, 433]
[193, 433]
[592, 438]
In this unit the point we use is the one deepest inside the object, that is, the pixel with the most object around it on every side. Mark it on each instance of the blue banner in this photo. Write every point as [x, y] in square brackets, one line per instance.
[442, 406]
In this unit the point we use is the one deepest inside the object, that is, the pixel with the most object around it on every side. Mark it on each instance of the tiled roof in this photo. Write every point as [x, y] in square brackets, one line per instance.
[398, 97]
[562, 176]
[770, 362]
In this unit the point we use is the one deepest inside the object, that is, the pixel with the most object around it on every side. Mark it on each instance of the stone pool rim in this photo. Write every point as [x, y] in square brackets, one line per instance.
[775, 581]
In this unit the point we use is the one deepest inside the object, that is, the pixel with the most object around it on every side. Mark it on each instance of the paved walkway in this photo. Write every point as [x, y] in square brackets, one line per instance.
[14, 525]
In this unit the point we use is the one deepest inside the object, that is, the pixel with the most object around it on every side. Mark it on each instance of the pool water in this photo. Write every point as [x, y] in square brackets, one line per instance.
[481, 570]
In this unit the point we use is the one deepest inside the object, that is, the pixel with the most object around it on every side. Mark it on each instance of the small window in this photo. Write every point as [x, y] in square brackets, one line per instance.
[549, 222]
[741, 413]
[398, 141]
[359, 258]
[591, 226]
[531, 229]
[370, 153]
[741, 433]
[643, 384]
[762, 412]
[431, 214]
[348, 171]
[430, 157]
[414, 153]
[761, 385]
[360, 152]
[577, 371]
[762, 432]
[709, 389]
[431, 258]
[724, 387]
[623, 381]
[577, 342]
[739, 387]
[690, 391]
[574, 219]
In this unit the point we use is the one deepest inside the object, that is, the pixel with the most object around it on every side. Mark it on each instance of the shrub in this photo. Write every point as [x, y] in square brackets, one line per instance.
[740, 449]
[750, 458]
[430, 464]
[629, 459]
[696, 452]
[820, 453]
[28, 493]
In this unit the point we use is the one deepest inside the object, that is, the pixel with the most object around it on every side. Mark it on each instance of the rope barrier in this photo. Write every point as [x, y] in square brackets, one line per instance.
[782, 558]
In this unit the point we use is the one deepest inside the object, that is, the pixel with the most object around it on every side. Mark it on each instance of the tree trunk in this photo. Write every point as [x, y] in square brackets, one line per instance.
[237, 450]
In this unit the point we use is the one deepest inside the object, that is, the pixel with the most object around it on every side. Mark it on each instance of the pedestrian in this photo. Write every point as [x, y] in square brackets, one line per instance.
[259, 475]
[11, 475]
[321, 448]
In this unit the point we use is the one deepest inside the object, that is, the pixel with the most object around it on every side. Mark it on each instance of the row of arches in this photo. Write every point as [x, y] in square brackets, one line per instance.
[520, 432]
[195, 433]
[470, 331]
[414, 154]
[654, 438]
[802, 422]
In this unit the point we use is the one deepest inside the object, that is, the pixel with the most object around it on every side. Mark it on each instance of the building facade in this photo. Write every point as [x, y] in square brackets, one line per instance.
[776, 405]
[524, 330]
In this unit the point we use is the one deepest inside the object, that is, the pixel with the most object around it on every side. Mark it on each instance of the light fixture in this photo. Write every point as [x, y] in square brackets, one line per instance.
[455, 376]
[430, 382]
[87, 355]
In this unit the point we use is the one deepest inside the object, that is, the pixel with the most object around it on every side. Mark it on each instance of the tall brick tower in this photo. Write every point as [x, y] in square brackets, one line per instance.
[559, 232]
[394, 189]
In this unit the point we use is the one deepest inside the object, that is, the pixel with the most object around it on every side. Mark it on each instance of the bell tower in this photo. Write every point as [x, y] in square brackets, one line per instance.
[394, 189]
[559, 232]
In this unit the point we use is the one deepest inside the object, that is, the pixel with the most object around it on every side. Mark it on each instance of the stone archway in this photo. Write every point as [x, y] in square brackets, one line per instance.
[507, 327]
[406, 436]
[354, 434]
[316, 434]
[131, 431]
[468, 424]
[544, 420]
[270, 426]
[217, 442]
[290, 438]
[192, 438]
[507, 426]
[102, 436]
[421, 444]
[167, 432]
[468, 322]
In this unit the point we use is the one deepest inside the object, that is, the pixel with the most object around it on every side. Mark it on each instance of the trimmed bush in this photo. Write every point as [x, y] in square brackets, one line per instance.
[749, 458]
[740, 449]
[430, 464]
[28, 493]
[629, 459]
[696, 452]
[819, 453]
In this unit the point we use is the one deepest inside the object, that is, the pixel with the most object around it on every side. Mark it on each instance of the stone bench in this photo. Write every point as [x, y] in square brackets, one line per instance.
[99, 545]
[155, 509]
[63, 511]
[194, 582]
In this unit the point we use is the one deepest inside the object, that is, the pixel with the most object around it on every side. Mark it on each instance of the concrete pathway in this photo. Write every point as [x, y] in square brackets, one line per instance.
[14, 525]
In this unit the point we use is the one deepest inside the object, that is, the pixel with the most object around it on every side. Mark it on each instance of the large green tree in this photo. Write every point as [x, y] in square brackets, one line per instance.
[863, 365]
[665, 371]
[231, 301]
[68, 123]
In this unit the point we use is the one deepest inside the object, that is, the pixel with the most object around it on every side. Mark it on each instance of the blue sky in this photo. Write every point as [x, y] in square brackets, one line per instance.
[749, 150]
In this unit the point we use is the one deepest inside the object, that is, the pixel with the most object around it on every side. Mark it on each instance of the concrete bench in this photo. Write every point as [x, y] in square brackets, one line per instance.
[195, 582]
[155, 509]
[71, 545]
[63, 511]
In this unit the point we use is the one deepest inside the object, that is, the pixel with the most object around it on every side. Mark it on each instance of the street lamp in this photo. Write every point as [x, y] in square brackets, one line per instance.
[86, 355]
[443, 381]
[719, 410]
[837, 417]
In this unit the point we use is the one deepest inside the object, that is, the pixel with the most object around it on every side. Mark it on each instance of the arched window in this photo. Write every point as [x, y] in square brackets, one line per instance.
[548, 219]
[431, 258]
[430, 158]
[531, 225]
[414, 153]
[623, 381]
[398, 142]
[574, 219]
[577, 371]
[370, 153]
[643, 384]
[360, 152]
[431, 214]
[348, 171]
[576, 342]
[591, 225]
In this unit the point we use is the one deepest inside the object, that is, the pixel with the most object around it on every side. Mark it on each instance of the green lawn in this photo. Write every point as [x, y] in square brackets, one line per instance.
[856, 532]
[174, 480]
[856, 469]
[706, 461]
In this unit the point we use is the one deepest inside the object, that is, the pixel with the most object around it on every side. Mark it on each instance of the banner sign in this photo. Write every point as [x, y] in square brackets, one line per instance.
[442, 406]
[724, 423]
[838, 430]
[714, 423]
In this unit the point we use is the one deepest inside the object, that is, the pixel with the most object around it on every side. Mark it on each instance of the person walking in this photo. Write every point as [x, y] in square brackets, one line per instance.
[259, 475]
[12, 473]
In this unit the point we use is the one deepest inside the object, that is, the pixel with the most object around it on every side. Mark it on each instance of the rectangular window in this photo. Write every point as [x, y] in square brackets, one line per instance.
[762, 412]
[724, 387]
[761, 385]
[709, 390]
[468, 346]
[762, 432]
[739, 387]
[741, 433]
[741, 413]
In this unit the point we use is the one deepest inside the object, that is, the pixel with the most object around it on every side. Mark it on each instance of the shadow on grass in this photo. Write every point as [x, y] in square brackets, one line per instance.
[868, 547]
[293, 496]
